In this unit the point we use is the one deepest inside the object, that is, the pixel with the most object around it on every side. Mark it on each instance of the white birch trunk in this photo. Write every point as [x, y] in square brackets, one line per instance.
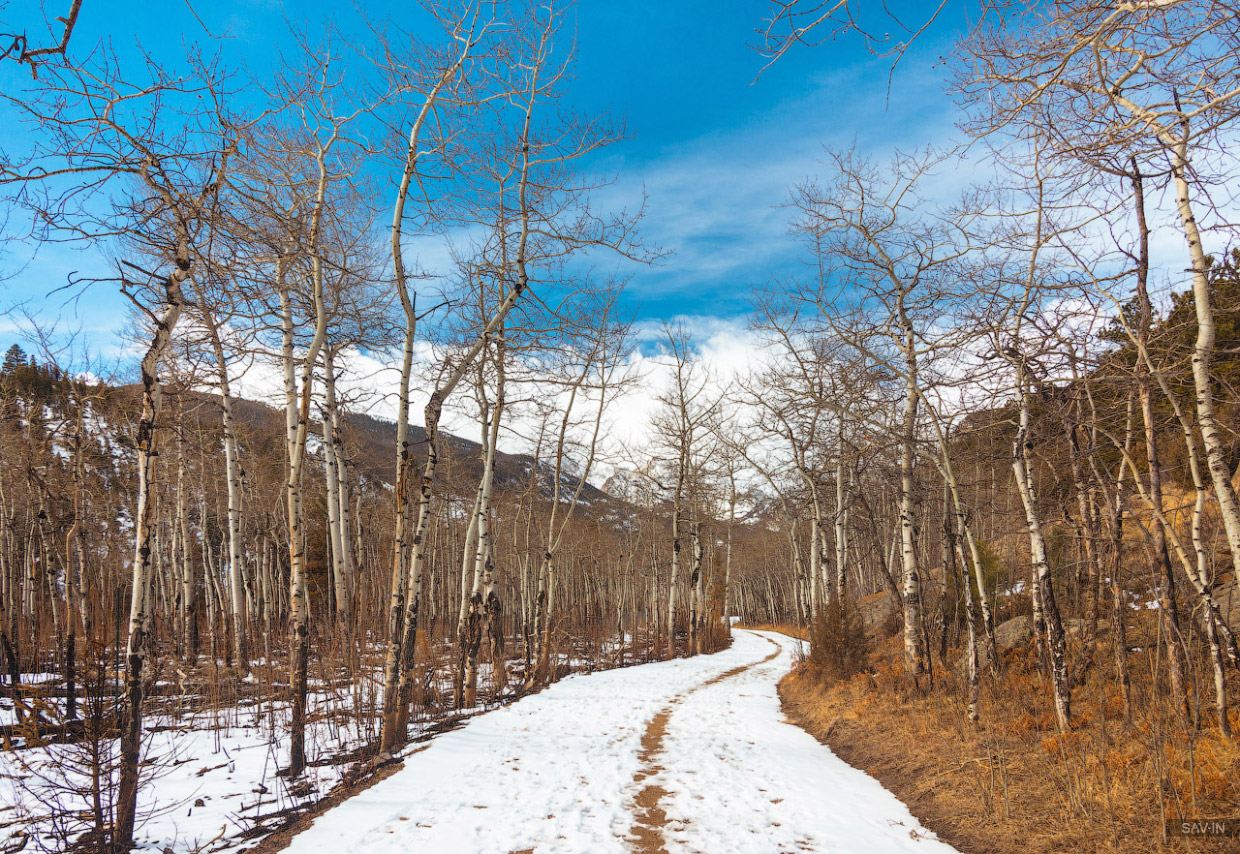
[914, 649]
[1022, 463]
[146, 444]
[337, 534]
[232, 475]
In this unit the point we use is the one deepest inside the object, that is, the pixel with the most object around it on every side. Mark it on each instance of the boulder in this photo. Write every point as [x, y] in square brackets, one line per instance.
[1228, 598]
[876, 609]
[1013, 633]
[1017, 631]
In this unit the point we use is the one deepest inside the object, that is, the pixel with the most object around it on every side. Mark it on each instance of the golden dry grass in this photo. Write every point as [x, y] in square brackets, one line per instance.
[1014, 784]
[794, 631]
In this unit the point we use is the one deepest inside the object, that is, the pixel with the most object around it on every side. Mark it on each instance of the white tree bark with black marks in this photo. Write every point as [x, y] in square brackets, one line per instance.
[232, 476]
[841, 514]
[399, 659]
[673, 580]
[914, 647]
[332, 476]
[481, 605]
[146, 444]
[1022, 467]
[297, 414]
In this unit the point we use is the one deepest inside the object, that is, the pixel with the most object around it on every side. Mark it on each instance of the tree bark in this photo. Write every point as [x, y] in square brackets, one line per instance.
[914, 651]
[1022, 463]
[232, 476]
[146, 444]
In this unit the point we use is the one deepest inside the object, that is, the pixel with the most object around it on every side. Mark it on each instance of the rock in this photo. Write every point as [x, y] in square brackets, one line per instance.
[1017, 631]
[1013, 633]
[1228, 598]
[1009, 634]
[876, 609]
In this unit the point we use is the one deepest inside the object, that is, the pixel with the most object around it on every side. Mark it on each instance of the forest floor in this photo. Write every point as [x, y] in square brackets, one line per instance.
[690, 755]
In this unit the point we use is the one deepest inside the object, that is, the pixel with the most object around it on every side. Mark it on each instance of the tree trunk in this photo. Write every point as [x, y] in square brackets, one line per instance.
[401, 606]
[1168, 606]
[146, 445]
[232, 476]
[1022, 463]
[914, 651]
[331, 475]
[697, 597]
[674, 580]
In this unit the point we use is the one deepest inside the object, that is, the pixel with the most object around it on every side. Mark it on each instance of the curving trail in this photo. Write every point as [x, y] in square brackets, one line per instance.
[691, 755]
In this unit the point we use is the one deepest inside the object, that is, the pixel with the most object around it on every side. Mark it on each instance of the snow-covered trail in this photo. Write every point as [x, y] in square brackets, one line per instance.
[690, 755]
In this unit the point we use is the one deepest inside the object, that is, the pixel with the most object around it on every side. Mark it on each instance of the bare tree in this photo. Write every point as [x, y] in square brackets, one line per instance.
[538, 213]
[17, 45]
[873, 225]
[1152, 79]
[159, 168]
[595, 351]
[884, 30]
[689, 409]
[430, 84]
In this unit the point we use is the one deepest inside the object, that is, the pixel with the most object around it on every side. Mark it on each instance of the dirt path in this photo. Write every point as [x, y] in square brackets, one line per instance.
[649, 817]
[691, 755]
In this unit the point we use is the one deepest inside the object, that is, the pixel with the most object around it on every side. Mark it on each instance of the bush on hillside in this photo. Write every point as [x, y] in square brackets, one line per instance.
[838, 645]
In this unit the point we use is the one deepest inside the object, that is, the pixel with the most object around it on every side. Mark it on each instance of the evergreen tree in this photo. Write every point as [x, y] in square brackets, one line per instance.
[14, 359]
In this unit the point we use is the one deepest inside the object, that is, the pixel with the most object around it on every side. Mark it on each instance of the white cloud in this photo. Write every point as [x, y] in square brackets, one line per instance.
[369, 384]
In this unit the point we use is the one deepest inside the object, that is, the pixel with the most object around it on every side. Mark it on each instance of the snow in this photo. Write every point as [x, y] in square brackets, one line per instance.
[555, 773]
[205, 786]
[741, 780]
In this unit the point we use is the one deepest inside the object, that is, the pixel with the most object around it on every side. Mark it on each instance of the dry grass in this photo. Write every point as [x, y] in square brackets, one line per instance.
[1012, 783]
[792, 631]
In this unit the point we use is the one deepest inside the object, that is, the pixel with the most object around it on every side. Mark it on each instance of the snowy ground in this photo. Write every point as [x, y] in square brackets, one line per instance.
[209, 779]
[691, 755]
[209, 776]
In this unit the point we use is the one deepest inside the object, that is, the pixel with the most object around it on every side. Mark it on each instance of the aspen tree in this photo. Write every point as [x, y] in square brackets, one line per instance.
[315, 179]
[687, 415]
[870, 223]
[481, 603]
[1010, 345]
[171, 164]
[1168, 605]
[538, 212]
[1152, 77]
[602, 349]
[464, 31]
[1137, 326]
[232, 473]
[1220, 637]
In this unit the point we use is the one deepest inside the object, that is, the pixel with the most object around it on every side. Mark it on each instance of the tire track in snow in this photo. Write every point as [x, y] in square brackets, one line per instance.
[649, 817]
[560, 773]
[742, 779]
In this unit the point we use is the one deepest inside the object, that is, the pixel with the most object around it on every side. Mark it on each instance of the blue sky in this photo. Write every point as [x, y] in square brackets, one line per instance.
[715, 151]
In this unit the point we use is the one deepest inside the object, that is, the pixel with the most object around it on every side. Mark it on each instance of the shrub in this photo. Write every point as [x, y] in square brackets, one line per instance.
[838, 645]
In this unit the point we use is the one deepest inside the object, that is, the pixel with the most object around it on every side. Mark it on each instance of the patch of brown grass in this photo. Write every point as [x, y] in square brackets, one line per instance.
[789, 629]
[1013, 783]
